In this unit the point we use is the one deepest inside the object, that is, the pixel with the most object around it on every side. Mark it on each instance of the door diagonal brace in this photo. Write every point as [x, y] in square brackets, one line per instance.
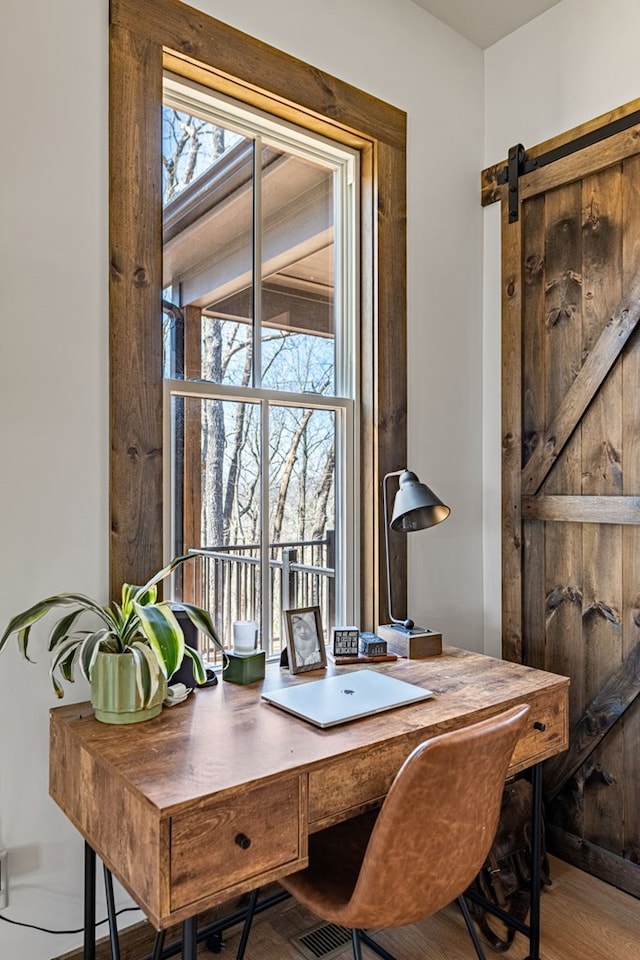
[599, 717]
[588, 380]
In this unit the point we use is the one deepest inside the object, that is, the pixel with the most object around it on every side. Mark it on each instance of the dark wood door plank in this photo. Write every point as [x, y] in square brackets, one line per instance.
[601, 714]
[605, 352]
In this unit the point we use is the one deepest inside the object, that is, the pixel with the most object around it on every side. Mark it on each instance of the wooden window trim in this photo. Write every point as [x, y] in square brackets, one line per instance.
[146, 37]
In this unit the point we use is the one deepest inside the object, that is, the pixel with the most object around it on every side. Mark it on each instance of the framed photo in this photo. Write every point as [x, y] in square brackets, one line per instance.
[305, 641]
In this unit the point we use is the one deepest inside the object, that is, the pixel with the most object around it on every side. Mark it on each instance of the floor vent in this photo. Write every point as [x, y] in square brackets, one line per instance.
[322, 942]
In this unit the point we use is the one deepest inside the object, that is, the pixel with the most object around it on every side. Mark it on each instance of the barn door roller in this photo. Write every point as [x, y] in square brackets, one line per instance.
[518, 163]
[514, 164]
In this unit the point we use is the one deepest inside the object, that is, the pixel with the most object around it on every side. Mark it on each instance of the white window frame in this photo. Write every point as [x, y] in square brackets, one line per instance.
[258, 126]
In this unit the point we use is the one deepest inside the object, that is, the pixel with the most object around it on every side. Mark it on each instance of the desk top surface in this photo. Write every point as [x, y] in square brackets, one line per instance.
[225, 738]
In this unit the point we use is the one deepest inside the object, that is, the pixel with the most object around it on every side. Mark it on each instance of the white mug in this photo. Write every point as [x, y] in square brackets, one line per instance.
[245, 637]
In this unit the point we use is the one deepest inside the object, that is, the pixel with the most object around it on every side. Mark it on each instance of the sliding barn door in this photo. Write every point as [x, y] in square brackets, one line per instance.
[571, 474]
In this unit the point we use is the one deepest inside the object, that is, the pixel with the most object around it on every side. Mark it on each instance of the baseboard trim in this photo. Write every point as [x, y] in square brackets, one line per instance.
[608, 866]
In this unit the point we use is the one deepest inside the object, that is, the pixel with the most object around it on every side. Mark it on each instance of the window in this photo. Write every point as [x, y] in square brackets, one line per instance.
[259, 300]
[147, 41]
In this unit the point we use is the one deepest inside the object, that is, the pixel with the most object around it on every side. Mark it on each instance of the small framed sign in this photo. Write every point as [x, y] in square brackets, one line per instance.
[345, 641]
[305, 640]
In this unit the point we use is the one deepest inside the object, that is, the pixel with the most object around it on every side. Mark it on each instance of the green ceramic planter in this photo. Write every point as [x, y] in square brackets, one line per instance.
[114, 694]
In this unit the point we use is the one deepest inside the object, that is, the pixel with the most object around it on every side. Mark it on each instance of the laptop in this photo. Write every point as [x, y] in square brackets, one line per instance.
[338, 699]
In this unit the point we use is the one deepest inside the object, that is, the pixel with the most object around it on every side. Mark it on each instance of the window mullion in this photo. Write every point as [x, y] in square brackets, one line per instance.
[257, 263]
[265, 546]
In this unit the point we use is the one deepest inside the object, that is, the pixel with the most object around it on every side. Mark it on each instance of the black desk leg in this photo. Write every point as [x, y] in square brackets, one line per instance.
[111, 912]
[189, 938]
[536, 862]
[158, 945]
[89, 952]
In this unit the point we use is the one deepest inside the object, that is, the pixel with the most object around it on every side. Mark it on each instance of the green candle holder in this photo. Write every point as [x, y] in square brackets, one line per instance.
[245, 669]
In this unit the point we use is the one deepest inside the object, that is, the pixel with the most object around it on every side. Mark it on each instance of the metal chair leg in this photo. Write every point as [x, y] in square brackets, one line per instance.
[355, 942]
[464, 910]
[375, 946]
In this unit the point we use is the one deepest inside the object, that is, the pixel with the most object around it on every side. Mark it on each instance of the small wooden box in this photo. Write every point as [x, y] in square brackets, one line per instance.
[414, 644]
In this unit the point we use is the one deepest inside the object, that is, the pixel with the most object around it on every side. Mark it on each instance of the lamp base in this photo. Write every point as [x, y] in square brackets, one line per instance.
[415, 644]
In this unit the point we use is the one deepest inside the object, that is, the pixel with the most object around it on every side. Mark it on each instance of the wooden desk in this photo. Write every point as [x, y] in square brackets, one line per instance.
[168, 804]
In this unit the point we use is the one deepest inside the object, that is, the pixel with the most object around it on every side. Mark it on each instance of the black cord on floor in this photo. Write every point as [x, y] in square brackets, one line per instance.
[34, 926]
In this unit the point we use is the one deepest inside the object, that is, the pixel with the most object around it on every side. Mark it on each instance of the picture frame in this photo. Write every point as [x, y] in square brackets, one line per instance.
[305, 639]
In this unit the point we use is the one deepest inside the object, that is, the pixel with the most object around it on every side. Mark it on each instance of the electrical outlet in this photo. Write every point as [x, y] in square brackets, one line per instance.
[4, 880]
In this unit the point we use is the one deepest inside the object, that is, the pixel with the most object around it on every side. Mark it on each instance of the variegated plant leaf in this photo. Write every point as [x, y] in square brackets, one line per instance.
[62, 628]
[202, 620]
[162, 574]
[22, 622]
[89, 650]
[199, 672]
[131, 592]
[164, 633]
[61, 659]
[147, 670]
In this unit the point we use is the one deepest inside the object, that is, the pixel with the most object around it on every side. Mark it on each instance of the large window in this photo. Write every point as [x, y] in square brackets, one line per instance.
[260, 361]
[249, 344]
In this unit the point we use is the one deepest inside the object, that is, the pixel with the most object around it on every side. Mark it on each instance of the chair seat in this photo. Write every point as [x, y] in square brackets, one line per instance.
[335, 857]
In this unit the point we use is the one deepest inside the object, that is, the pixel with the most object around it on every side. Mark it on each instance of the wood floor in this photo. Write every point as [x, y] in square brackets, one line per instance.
[582, 919]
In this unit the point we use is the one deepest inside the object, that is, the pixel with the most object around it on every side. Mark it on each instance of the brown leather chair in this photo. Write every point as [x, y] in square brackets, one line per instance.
[425, 845]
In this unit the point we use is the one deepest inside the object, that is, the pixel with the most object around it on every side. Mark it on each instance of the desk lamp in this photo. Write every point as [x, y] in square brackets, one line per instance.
[415, 507]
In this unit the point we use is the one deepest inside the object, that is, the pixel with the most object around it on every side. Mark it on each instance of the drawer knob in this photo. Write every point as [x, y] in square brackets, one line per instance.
[539, 725]
[243, 841]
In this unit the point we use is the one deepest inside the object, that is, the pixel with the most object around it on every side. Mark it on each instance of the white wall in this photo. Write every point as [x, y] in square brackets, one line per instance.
[53, 419]
[53, 355]
[575, 62]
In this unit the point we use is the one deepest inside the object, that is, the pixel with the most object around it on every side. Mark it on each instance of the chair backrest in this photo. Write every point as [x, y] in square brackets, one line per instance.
[437, 823]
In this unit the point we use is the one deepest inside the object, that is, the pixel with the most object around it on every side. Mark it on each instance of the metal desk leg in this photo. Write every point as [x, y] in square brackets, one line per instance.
[536, 861]
[111, 911]
[158, 945]
[89, 951]
[246, 929]
[189, 938]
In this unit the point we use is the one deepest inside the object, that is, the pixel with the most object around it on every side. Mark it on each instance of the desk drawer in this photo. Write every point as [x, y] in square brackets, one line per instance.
[348, 785]
[546, 730]
[244, 837]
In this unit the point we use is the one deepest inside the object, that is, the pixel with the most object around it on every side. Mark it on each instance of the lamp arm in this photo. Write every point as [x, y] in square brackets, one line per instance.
[407, 624]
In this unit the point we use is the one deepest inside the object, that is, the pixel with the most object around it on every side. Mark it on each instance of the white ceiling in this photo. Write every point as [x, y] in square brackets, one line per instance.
[485, 21]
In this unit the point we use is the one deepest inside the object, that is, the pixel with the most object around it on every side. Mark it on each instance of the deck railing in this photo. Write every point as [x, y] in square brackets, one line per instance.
[227, 581]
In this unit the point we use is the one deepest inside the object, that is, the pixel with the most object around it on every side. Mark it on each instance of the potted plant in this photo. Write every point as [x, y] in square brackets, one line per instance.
[130, 657]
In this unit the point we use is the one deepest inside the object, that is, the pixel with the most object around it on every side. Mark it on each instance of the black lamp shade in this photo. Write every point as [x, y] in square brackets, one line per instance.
[416, 507]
